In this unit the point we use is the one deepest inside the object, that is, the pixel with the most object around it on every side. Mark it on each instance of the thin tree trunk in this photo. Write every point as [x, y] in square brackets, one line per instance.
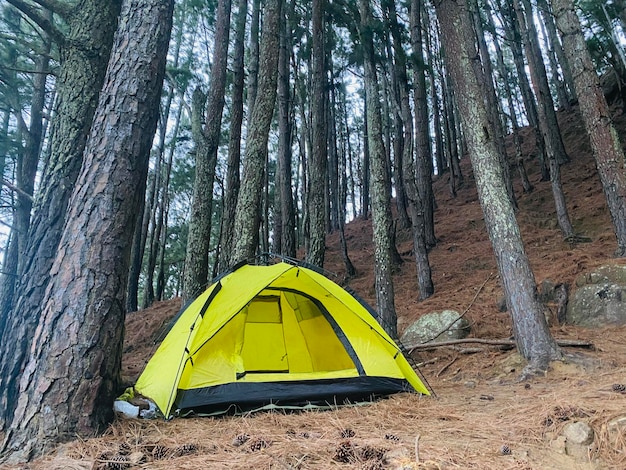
[319, 151]
[25, 181]
[493, 103]
[207, 140]
[531, 332]
[558, 85]
[451, 138]
[365, 169]
[605, 143]
[249, 201]
[512, 115]
[424, 159]
[73, 371]
[381, 209]
[563, 62]
[547, 117]
[234, 141]
[539, 78]
[285, 231]
[439, 149]
[253, 61]
[514, 37]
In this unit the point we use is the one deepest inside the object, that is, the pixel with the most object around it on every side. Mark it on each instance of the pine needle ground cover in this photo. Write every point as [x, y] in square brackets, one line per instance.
[475, 422]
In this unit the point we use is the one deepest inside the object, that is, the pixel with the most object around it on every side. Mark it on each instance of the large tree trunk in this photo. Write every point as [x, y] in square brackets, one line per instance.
[424, 158]
[234, 139]
[605, 143]
[247, 215]
[73, 373]
[531, 332]
[84, 55]
[319, 151]
[381, 206]
[207, 142]
[287, 211]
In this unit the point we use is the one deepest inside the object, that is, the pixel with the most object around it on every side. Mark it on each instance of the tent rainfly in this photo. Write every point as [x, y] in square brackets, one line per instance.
[280, 335]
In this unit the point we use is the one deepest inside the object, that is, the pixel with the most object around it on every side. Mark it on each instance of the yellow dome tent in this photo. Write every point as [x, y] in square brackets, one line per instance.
[279, 334]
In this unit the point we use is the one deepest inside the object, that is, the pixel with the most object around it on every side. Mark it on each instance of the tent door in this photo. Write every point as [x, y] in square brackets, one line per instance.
[264, 348]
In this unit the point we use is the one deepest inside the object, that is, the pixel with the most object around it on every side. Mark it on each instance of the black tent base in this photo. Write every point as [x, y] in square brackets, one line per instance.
[234, 398]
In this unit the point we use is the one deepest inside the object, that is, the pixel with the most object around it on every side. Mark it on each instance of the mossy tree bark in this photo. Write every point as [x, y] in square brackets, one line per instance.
[206, 140]
[248, 213]
[379, 177]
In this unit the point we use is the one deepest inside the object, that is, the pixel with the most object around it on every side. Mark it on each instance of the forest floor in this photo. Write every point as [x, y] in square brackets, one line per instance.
[482, 417]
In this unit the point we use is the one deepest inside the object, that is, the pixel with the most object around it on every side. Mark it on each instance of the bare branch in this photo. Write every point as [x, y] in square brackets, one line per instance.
[41, 20]
[21, 192]
[61, 9]
[491, 342]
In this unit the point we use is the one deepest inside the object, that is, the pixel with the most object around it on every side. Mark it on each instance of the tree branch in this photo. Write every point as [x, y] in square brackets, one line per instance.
[491, 342]
[17, 190]
[41, 20]
[62, 9]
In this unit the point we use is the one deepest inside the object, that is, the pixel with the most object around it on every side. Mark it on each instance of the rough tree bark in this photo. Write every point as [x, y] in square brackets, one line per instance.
[248, 212]
[234, 138]
[605, 143]
[73, 371]
[319, 151]
[532, 335]
[207, 140]
[84, 52]
[424, 158]
[416, 200]
[381, 208]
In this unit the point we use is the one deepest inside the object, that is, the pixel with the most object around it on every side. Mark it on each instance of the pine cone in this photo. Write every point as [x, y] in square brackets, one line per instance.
[258, 444]
[505, 450]
[117, 462]
[185, 449]
[344, 452]
[346, 433]
[240, 440]
[124, 448]
[371, 453]
[159, 452]
[372, 465]
[619, 388]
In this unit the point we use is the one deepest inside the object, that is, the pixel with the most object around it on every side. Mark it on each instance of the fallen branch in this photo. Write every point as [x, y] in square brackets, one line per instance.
[430, 361]
[493, 342]
[443, 369]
